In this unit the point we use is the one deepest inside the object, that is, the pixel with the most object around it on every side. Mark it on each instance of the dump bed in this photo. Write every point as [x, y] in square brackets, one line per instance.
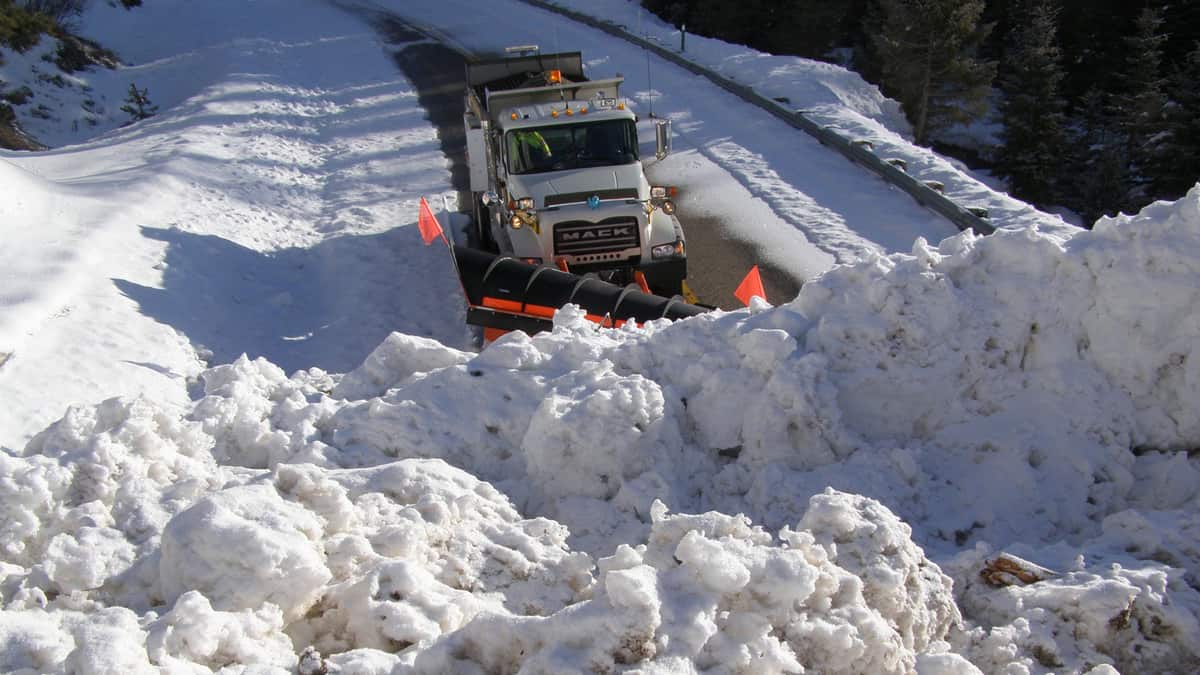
[512, 72]
[496, 84]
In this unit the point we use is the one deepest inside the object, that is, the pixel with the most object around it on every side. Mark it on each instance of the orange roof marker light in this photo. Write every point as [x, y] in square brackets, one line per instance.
[555, 76]
[554, 113]
[514, 116]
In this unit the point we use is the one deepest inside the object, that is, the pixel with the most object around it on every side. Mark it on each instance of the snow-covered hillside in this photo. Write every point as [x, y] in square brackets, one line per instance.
[255, 214]
[814, 486]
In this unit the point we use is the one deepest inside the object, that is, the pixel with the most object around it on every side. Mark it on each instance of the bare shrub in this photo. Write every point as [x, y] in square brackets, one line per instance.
[61, 11]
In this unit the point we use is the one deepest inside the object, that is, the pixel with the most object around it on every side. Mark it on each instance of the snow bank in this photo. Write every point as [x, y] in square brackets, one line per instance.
[28, 256]
[712, 591]
[420, 560]
[440, 511]
[255, 213]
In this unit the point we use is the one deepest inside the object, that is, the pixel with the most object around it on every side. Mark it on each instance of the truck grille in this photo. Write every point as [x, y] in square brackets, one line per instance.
[581, 197]
[584, 238]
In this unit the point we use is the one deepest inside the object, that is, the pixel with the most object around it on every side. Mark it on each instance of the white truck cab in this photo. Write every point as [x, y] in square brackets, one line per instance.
[557, 177]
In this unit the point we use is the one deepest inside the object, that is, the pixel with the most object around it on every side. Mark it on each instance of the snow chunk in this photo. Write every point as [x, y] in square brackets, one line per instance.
[258, 417]
[194, 633]
[865, 538]
[243, 547]
[418, 548]
[1138, 620]
[84, 643]
[83, 508]
[397, 358]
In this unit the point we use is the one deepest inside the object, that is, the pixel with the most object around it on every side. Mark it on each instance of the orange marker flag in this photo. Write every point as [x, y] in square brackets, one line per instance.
[750, 287]
[428, 224]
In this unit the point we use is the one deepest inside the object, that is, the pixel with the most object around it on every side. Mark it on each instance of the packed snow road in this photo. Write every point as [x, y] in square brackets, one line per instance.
[717, 262]
[769, 196]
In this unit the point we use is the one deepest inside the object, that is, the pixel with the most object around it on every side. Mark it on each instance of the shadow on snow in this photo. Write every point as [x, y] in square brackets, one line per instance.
[326, 306]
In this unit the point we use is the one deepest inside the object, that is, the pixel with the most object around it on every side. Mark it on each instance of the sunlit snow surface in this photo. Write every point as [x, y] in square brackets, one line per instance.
[815, 485]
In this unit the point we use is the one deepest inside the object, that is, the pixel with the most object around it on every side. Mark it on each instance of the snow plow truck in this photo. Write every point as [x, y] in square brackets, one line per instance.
[556, 175]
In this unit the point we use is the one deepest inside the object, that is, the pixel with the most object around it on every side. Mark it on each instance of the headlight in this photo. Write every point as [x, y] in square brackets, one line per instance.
[521, 219]
[660, 198]
[667, 250]
[525, 203]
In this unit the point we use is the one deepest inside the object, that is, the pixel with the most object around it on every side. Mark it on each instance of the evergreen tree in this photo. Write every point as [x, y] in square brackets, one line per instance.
[1003, 17]
[1032, 108]
[674, 12]
[137, 104]
[924, 53]
[1139, 106]
[1183, 18]
[1096, 179]
[1090, 35]
[809, 28]
[21, 29]
[59, 11]
[741, 22]
[1182, 165]
[805, 27]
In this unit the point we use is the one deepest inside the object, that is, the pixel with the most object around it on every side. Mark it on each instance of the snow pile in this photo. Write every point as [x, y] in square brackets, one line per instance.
[417, 562]
[927, 374]
[440, 511]
[563, 503]
[712, 591]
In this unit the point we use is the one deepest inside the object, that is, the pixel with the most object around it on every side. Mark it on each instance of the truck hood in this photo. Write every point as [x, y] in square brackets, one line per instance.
[582, 182]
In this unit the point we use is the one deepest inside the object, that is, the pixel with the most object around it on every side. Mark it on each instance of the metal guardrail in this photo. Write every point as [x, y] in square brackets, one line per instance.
[891, 171]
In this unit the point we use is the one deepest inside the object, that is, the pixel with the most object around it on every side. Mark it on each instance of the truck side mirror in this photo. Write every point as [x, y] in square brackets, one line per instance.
[662, 138]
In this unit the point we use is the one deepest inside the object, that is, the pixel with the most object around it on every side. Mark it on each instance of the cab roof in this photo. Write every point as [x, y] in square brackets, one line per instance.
[547, 114]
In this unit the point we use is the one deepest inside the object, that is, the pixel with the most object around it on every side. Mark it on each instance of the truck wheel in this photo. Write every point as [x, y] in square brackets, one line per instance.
[483, 226]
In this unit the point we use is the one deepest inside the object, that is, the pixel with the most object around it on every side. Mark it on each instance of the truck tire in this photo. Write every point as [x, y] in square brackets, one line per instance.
[482, 217]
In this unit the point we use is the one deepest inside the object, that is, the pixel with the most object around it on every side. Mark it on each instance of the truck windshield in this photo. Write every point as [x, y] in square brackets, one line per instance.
[576, 146]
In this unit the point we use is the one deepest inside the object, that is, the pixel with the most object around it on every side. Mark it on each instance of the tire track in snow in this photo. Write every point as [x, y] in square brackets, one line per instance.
[823, 226]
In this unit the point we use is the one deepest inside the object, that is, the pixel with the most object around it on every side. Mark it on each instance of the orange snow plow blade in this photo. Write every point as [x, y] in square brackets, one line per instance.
[505, 294]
